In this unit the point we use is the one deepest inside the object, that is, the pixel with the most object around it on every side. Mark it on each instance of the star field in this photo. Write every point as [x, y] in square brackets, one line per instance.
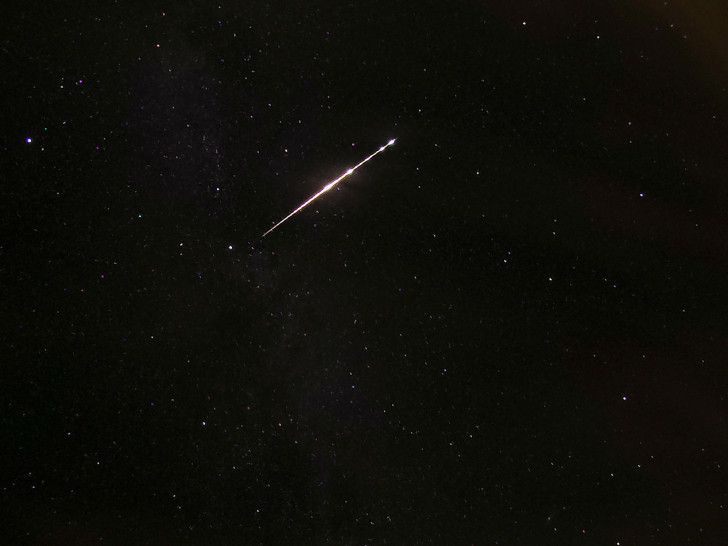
[509, 328]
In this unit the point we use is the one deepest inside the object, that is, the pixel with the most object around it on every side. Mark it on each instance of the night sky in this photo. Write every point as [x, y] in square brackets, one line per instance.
[509, 327]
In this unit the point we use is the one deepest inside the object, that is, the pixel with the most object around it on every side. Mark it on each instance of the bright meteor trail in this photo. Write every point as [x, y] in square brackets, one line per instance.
[329, 186]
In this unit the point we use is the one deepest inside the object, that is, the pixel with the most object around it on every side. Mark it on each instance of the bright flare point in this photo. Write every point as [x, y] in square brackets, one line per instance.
[329, 186]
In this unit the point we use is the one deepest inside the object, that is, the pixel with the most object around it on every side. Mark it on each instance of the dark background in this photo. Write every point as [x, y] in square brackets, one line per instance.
[508, 328]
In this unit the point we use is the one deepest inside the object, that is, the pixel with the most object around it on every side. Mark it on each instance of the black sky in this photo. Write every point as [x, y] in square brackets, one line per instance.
[507, 328]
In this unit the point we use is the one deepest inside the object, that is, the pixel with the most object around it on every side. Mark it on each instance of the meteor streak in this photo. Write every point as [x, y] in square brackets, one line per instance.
[329, 186]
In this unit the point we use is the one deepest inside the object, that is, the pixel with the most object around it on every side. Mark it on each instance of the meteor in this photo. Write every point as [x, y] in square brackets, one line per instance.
[329, 186]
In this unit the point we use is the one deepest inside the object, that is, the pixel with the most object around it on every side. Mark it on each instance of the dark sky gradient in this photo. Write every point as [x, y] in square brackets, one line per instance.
[510, 327]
